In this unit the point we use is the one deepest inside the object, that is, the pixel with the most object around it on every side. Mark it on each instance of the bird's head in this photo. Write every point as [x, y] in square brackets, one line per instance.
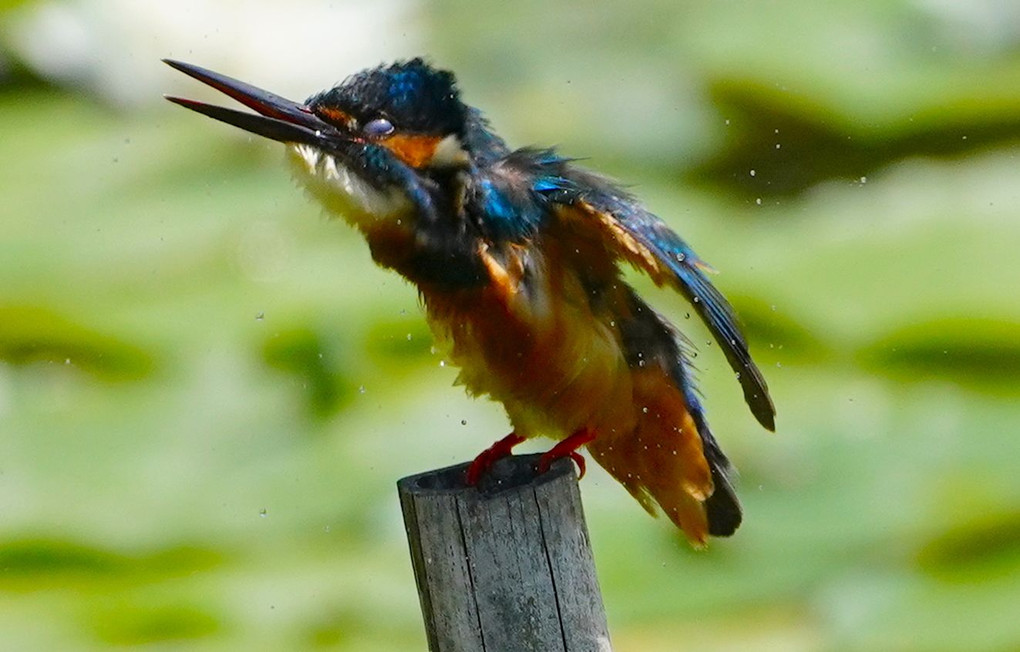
[370, 148]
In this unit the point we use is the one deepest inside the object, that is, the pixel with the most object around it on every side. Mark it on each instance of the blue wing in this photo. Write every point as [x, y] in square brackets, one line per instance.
[630, 232]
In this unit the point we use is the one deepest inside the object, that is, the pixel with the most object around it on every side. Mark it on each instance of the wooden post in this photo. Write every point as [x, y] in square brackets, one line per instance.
[507, 565]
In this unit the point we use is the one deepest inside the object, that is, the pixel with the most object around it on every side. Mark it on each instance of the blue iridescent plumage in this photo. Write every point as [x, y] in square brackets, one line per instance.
[411, 94]
[516, 255]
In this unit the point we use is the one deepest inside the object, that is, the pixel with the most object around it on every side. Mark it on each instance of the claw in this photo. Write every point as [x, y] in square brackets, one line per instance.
[545, 462]
[568, 448]
[489, 456]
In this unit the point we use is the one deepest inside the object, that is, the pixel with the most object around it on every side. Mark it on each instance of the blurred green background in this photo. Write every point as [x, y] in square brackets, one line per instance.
[207, 391]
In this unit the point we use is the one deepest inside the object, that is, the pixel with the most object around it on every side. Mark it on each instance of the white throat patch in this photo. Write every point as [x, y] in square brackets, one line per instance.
[342, 191]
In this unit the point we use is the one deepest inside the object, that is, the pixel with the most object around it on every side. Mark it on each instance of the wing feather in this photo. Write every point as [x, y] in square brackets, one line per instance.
[593, 204]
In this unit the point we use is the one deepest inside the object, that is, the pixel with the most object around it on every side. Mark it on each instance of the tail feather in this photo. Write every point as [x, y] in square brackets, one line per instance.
[670, 457]
[662, 461]
[722, 507]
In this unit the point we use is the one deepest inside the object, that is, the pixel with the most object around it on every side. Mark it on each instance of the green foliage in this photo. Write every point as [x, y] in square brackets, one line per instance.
[981, 353]
[131, 624]
[307, 357]
[242, 378]
[37, 563]
[36, 335]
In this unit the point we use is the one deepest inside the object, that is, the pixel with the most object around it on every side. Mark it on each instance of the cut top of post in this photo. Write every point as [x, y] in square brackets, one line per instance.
[507, 565]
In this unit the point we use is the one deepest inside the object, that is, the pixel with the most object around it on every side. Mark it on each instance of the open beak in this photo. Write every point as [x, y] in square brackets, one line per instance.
[292, 122]
[279, 118]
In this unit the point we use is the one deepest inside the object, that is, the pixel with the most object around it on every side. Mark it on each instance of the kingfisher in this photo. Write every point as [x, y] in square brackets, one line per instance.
[518, 256]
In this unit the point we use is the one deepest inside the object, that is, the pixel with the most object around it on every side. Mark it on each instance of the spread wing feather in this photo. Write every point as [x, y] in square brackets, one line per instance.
[596, 205]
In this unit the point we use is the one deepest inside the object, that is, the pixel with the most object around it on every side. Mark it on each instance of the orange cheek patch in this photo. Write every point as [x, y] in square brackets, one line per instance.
[413, 149]
[336, 116]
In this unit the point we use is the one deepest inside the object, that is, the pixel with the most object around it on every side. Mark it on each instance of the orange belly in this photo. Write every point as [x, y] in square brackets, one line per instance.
[537, 348]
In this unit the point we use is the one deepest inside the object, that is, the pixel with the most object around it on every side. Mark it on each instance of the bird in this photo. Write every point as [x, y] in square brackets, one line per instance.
[518, 255]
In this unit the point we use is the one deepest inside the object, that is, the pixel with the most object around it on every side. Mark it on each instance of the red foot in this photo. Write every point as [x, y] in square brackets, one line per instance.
[488, 457]
[568, 448]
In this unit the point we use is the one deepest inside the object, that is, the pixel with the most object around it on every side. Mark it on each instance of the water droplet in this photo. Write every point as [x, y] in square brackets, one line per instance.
[463, 422]
[645, 409]
[361, 389]
[697, 299]
[259, 316]
[263, 512]
[752, 173]
[408, 337]
[864, 180]
[727, 123]
[442, 363]
[779, 364]
[778, 145]
[758, 201]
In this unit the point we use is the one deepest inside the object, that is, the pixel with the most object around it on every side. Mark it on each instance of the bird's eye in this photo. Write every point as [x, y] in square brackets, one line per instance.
[378, 127]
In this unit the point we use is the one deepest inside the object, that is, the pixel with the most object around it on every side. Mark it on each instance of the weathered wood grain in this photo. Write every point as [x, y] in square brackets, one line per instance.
[504, 566]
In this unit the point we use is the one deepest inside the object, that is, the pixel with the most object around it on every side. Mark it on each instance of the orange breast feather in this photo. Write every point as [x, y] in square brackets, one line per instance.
[530, 340]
